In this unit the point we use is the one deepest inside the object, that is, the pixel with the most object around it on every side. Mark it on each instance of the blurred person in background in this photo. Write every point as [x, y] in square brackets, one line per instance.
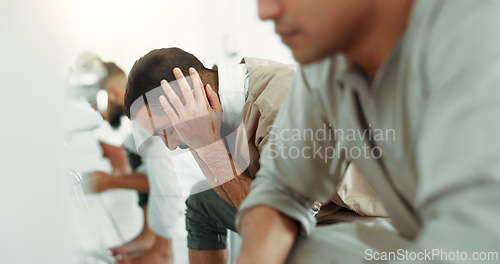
[243, 100]
[122, 176]
[129, 172]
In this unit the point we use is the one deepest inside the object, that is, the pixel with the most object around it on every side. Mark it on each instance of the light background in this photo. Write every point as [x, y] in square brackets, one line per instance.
[40, 40]
[124, 30]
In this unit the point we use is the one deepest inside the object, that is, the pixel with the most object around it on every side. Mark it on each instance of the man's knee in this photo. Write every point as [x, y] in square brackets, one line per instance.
[204, 231]
[201, 203]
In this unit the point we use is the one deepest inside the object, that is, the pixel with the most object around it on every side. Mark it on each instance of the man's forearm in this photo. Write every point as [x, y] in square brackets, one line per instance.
[267, 236]
[221, 173]
[134, 181]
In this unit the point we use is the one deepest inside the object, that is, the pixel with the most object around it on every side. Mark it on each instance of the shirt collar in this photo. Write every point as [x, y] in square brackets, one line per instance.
[233, 89]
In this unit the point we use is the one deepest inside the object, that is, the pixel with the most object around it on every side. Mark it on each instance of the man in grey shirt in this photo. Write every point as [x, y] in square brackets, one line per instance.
[409, 92]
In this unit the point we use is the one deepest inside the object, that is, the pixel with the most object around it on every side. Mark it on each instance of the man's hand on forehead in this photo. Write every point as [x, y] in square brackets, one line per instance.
[198, 120]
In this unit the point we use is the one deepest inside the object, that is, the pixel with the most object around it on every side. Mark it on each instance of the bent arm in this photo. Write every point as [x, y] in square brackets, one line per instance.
[278, 206]
[221, 173]
[101, 181]
[268, 236]
[134, 181]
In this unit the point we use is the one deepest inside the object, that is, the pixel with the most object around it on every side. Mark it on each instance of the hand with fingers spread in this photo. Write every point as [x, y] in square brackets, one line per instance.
[198, 120]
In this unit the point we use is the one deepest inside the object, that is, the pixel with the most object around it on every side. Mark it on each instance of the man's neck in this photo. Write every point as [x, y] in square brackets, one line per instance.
[387, 25]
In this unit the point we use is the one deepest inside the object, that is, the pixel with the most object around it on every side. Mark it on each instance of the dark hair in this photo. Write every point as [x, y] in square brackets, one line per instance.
[153, 67]
[112, 71]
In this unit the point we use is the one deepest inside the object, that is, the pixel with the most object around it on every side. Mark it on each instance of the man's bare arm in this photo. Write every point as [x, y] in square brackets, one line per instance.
[218, 167]
[267, 236]
[100, 181]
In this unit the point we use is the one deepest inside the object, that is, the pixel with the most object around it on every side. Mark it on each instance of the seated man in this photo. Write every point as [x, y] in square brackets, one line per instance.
[421, 80]
[130, 175]
[230, 110]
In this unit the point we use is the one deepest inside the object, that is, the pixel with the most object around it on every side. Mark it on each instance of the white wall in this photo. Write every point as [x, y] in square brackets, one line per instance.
[124, 30]
[33, 215]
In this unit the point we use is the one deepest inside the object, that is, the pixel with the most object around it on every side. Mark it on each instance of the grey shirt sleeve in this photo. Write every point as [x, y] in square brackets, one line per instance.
[296, 168]
[458, 146]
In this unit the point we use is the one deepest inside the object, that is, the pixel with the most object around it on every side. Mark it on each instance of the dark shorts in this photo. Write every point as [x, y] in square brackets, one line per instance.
[143, 199]
[135, 161]
[208, 217]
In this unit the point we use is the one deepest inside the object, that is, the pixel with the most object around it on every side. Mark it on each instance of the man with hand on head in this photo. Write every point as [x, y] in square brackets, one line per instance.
[151, 247]
[426, 69]
[223, 117]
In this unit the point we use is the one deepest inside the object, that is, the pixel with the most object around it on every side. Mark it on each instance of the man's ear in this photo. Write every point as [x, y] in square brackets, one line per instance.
[114, 95]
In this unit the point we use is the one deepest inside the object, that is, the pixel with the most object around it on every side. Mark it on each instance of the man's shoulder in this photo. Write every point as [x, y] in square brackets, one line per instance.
[252, 62]
[268, 69]
[323, 72]
[449, 37]
[272, 80]
[266, 76]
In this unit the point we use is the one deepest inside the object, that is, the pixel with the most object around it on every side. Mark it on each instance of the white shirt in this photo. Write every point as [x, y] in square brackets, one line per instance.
[171, 175]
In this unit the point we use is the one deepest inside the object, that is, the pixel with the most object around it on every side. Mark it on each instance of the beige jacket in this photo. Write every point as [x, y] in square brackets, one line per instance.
[269, 82]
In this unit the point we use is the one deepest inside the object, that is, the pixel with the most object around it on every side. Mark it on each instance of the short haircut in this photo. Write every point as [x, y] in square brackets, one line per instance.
[153, 67]
[112, 71]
